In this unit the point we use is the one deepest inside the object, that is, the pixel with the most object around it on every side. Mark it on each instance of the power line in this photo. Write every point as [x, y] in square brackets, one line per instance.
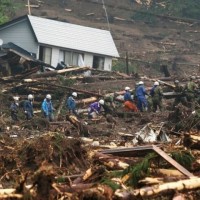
[104, 7]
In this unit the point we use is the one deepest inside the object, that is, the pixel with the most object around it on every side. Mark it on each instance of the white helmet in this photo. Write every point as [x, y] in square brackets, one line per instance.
[48, 96]
[16, 98]
[30, 97]
[141, 83]
[101, 101]
[156, 83]
[74, 94]
[127, 88]
[176, 81]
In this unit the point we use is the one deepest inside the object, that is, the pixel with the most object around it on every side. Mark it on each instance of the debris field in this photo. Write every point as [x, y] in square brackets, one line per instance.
[125, 155]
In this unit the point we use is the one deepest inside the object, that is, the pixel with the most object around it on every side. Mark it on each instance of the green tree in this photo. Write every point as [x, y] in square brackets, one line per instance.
[6, 10]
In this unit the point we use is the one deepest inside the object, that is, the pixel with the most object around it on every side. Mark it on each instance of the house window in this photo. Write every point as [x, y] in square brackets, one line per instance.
[70, 58]
[45, 54]
[98, 62]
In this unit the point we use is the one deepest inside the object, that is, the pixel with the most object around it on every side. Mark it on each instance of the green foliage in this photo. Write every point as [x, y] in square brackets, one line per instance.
[135, 172]
[110, 183]
[184, 158]
[6, 9]
[120, 66]
[65, 81]
[178, 8]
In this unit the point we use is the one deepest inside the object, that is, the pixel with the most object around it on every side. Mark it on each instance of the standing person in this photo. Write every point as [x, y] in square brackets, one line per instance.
[47, 108]
[94, 108]
[156, 94]
[71, 104]
[128, 101]
[142, 101]
[14, 108]
[179, 99]
[28, 107]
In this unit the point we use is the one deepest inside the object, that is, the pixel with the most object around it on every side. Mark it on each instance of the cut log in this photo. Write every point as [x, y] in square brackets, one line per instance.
[168, 172]
[87, 100]
[187, 184]
[58, 72]
[110, 162]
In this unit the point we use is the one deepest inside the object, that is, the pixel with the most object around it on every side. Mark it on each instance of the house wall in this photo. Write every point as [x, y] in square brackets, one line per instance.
[108, 64]
[55, 56]
[88, 60]
[20, 34]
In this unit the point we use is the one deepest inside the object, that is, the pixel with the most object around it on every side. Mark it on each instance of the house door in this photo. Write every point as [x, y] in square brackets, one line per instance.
[98, 62]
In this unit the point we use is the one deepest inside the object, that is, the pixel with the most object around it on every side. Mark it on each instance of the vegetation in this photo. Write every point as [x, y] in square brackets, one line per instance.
[7, 10]
[178, 8]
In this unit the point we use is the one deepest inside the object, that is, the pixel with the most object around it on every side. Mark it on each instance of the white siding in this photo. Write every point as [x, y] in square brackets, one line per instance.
[108, 64]
[20, 34]
[55, 56]
[88, 59]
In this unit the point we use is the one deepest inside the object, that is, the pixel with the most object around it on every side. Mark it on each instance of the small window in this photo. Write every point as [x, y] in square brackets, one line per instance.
[98, 62]
[70, 58]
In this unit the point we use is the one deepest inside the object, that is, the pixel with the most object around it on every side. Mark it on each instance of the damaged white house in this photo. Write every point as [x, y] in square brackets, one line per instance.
[53, 41]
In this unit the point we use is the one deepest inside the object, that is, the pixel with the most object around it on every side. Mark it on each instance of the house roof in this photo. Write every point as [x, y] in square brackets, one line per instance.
[71, 36]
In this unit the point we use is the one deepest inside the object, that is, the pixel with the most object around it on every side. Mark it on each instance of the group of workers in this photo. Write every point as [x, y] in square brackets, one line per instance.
[135, 101]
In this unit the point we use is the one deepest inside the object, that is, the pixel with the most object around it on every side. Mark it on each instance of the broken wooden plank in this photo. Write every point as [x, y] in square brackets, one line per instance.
[172, 161]
[130, 152]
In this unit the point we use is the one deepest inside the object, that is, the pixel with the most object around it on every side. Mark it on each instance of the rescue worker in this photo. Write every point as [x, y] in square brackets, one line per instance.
[135, 93]
[128, 101]
[95, 108]
[156, 94]
[180, 98]
[71, 104]
[14, 108]
[28, 107]
[109, 105]
[191, 88]
[48, 108]
[142, 101]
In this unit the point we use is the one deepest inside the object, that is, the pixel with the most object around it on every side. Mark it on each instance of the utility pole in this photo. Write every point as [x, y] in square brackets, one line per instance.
[127, 66]
[29, 7]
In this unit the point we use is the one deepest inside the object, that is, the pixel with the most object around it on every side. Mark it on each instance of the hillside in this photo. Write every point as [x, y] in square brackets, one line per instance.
[138, 27]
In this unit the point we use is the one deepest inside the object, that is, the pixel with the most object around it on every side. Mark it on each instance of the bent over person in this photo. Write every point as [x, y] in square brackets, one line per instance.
[128, 101]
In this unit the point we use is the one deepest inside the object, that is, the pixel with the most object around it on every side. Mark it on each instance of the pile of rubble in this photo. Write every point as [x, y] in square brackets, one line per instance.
[121, 156]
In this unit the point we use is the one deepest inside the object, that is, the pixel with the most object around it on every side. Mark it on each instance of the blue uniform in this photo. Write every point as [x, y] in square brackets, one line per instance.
[142, 101]
[127, 96]
[28, 109]
[47, 109]
[71, 105]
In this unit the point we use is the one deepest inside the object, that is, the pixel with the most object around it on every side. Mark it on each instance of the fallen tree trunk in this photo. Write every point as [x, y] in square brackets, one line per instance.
[187, 184]
[110, 162]
[74, 89]
[87, 100]
[62, 71]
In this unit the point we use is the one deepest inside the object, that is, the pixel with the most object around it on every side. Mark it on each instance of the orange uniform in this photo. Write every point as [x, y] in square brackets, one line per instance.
[130, 106]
